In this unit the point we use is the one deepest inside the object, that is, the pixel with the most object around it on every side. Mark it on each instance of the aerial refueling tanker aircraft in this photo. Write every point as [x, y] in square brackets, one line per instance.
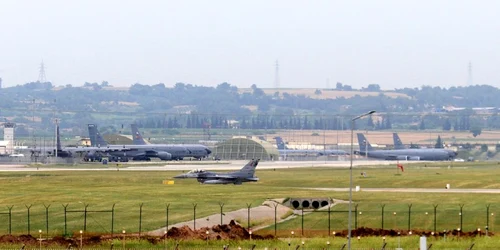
[411, 154]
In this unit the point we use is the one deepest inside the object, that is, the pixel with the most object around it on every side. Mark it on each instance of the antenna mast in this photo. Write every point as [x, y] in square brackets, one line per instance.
[41, 73]
[277, 76]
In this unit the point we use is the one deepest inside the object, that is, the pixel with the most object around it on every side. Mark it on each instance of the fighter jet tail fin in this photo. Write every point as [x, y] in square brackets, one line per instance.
[398, 144]
[96, 140]
[137, 137]
[249, 168]
[364, 144]
[280, 143]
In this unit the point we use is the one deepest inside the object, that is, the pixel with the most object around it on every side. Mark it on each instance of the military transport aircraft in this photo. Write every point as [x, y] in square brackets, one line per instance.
[246, 174]
[284, 150]
[136, 152]
[196, 151]
[412, 154]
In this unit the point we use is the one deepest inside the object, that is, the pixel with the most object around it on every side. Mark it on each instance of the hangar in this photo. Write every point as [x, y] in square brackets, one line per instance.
[245, 148]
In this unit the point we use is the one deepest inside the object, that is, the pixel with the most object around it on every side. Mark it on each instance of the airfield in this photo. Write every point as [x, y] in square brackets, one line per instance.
[190, 165]
[474, 185]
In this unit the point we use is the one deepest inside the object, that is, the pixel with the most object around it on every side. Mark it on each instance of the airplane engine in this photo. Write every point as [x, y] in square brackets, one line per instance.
[402, 157]
[165, 156]
[414, 158]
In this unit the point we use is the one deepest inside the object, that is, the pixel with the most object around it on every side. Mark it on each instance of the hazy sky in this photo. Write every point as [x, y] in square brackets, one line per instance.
[394, 43]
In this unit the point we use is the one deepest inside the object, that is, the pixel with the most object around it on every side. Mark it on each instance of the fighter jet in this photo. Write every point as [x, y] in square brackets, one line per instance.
[196, 151]
[246, 174]
[412, 154]
[284, 150]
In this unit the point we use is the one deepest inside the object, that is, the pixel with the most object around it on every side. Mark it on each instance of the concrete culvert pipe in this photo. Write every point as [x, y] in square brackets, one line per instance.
[305, 203]
[315, 204]
[295, 203]
[324, 203]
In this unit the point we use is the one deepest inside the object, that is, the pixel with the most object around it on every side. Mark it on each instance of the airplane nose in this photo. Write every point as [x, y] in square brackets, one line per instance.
[181, 176]
[208, 151]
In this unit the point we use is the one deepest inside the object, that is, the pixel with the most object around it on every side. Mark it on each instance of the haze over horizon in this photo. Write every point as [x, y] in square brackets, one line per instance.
[392, 43]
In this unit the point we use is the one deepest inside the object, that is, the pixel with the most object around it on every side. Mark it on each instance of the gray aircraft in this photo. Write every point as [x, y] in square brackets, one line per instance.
[246, 174]
[412, 154]
[398, 144]
[284, 150]
[135, 152]
[196, 151]
[60, 151]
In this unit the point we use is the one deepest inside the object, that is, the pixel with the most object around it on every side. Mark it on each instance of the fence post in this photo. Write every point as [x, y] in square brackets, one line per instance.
[29, 222]
[329, 220]
[248, 216]
[113, 219]
[356, 216]
[65, 219]
[435, 217]
[85, 217]
[409, 217]
[166, 216]
[302, 218]
[461, 216]
[46, 219]
[140, 219]
[10, 219]
[487, 218]
[221, 212]
[383, 206]
[194, 216]
[275, 218]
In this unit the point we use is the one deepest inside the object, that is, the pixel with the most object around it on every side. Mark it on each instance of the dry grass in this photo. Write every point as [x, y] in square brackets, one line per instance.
[325, 93]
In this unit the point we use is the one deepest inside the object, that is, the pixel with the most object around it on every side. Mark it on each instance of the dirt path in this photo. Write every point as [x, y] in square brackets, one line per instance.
[262, 215]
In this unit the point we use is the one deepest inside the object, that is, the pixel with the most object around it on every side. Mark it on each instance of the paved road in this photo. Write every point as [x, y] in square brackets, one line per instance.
[416, 190]
[208, 165]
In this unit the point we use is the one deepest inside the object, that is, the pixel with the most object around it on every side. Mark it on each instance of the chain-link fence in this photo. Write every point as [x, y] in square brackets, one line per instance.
[66, 219]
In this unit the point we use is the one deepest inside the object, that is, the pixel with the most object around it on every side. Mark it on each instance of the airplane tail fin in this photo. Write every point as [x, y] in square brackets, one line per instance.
[280, 143]
[96, 140]
[136, 135]
[249, 168]
[398, 144]
[364, 144]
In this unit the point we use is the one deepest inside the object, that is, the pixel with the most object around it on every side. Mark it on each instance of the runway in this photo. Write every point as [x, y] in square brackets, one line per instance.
[416, 190]
[187, 165]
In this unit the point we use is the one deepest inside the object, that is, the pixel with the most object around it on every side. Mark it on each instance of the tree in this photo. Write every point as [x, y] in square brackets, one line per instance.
[475, 131]
[484, 148]
[439, 143]
[447, 125]
[422, 125]
[317, 92]
[370, 123]
[339, 86]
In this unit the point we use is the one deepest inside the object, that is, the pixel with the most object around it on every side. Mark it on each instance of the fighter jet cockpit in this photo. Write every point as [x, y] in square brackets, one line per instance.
[196, 171]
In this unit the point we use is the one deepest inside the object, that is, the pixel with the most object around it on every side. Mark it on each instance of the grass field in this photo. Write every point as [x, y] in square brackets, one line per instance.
[128, 190]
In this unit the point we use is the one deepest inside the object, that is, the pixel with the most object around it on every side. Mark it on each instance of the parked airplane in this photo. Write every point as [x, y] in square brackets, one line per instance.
[136, 152]
[414, 154]
[196, 151]
[284, 150]
[246, 174]
[60, 151]
[398, 144]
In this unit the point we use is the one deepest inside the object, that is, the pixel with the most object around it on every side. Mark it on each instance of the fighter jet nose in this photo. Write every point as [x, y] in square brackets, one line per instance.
[181, 176]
